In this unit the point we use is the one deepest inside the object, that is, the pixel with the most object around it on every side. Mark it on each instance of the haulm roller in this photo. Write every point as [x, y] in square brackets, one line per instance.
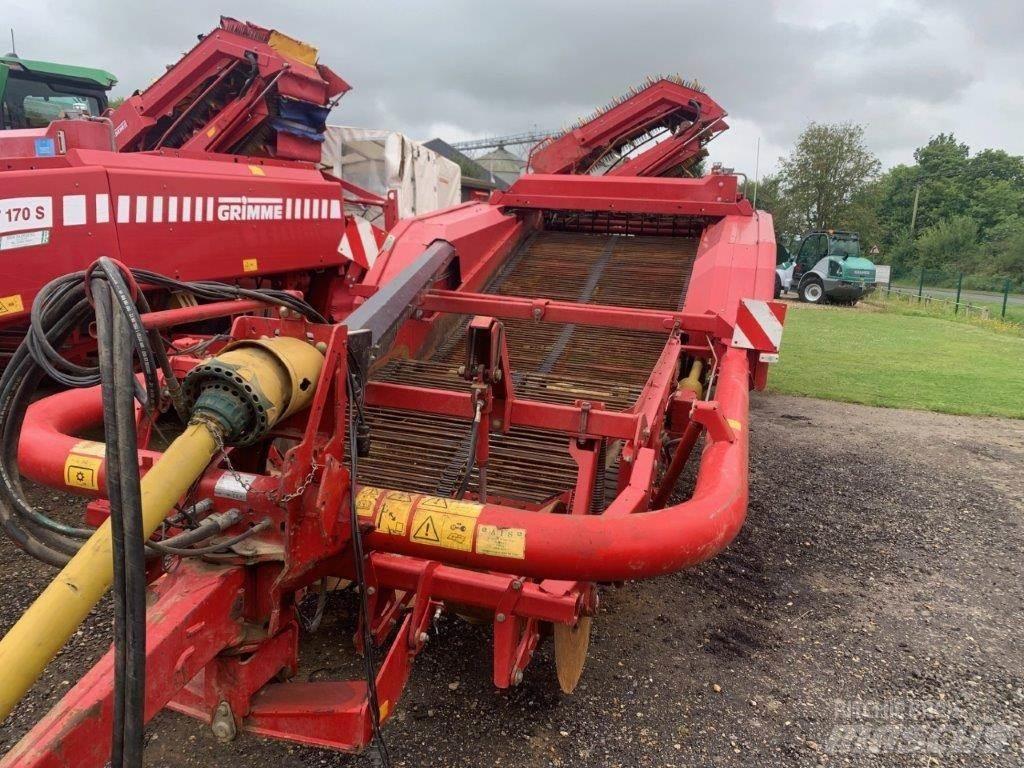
[492, 424]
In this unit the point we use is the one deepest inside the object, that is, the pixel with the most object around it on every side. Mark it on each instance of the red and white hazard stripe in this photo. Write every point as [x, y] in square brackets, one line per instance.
[759, 325]
[361, 242]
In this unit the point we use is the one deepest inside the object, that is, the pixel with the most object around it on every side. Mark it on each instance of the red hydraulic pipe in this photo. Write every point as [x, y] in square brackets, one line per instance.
[615, 546]
[167, 318]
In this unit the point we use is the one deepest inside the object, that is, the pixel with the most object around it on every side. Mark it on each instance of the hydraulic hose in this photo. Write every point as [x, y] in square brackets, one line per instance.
[59, 308]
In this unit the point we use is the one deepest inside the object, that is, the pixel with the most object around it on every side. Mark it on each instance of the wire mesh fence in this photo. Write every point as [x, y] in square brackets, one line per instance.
[987, 296]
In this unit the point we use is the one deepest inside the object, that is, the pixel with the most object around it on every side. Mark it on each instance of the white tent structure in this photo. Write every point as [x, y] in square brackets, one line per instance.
[381, 161]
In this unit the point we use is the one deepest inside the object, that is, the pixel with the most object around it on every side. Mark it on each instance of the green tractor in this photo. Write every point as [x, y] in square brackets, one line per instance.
[828, 267]
[35, 93]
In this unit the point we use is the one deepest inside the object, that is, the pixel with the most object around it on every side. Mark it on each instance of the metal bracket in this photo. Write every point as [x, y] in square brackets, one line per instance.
[709, 414]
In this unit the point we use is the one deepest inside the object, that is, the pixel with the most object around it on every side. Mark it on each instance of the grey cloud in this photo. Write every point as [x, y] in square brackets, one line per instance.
[490, 68]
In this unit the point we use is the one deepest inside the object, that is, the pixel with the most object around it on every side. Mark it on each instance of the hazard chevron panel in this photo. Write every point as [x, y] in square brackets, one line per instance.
[361, 242]
[759, 325]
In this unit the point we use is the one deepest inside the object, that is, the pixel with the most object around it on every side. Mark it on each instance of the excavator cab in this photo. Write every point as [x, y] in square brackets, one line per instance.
[35, 93]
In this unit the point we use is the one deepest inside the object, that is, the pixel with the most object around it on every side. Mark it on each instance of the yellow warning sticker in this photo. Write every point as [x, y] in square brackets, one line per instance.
[501, 542]
[366, 501]
[250, 265]
[212, 132]
[89, 448]
[385, 708]
[394, 512]
[10, 305]
[82, 471]
[735, 424]
[256, 170]
[445, 523]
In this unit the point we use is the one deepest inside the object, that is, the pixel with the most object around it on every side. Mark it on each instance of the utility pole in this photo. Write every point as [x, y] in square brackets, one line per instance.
[14, 50]
[913, 215]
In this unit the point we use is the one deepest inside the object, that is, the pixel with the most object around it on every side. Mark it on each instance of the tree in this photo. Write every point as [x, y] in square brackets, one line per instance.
[949, 244]
[1007, 259]
[828, 167]
[770, 198]
[896, 202]
[941, 171]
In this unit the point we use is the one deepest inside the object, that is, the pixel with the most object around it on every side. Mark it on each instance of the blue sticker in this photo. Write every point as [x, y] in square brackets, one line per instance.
[45, 148]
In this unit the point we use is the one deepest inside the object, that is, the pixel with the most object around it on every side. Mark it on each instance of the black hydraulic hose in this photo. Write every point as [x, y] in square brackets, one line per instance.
[105, 334]
[134, 538]
[357, 557]
[210, 549]
[474, 438]
[43, 538]
[59, 308]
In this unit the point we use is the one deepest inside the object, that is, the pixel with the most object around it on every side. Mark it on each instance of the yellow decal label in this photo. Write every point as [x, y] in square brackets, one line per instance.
[736, 425]
[212, 132]
[89, 448]
[366, 501]
[82, 471]
[10, 305]
[256, 170]
[501, 542]
[394, 513]
[250, 265]
[385, 707]
[445, 523]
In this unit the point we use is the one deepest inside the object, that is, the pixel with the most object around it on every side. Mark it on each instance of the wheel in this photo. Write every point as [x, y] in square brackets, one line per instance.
[812, 291]
[778, 287]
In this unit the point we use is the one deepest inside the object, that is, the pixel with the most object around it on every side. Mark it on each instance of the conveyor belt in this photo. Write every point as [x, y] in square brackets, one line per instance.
[554, 363]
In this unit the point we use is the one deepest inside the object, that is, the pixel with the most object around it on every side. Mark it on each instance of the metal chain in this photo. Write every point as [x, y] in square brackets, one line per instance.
[218, 439]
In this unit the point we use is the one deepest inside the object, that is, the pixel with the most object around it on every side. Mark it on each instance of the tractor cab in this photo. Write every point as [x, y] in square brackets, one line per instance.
[828, 266]
[35, 93]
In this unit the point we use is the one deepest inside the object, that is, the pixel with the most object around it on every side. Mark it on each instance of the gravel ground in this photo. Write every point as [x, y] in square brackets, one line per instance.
[868, 614]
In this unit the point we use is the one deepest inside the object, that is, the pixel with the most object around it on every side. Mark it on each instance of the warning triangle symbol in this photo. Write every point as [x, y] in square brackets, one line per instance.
[427, 531]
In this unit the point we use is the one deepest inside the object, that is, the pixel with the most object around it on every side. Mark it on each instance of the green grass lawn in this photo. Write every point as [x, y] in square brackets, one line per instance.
[900, 361]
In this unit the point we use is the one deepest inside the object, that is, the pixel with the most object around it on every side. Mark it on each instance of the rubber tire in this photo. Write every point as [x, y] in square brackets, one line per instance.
[778, 287]
[819, 294]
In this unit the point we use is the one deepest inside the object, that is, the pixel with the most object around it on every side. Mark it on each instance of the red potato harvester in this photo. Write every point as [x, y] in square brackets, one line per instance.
[209, 173]
[495, 428]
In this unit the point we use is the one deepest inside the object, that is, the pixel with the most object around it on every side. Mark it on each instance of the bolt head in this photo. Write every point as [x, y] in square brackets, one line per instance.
[500, 617]
[424, 637]
[518, 677]
[283, 312]
[371, 590]
[321, 347]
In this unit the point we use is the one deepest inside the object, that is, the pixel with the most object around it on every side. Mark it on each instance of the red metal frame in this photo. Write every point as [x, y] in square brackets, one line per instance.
[690, 117]
[220, 126]
[225, 631]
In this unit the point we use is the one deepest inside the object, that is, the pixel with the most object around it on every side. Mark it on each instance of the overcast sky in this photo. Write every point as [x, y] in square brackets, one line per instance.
[465, 68]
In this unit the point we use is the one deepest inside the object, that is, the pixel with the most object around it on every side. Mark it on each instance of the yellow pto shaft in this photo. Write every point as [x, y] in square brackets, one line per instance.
[55, 615]
[236, 396]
